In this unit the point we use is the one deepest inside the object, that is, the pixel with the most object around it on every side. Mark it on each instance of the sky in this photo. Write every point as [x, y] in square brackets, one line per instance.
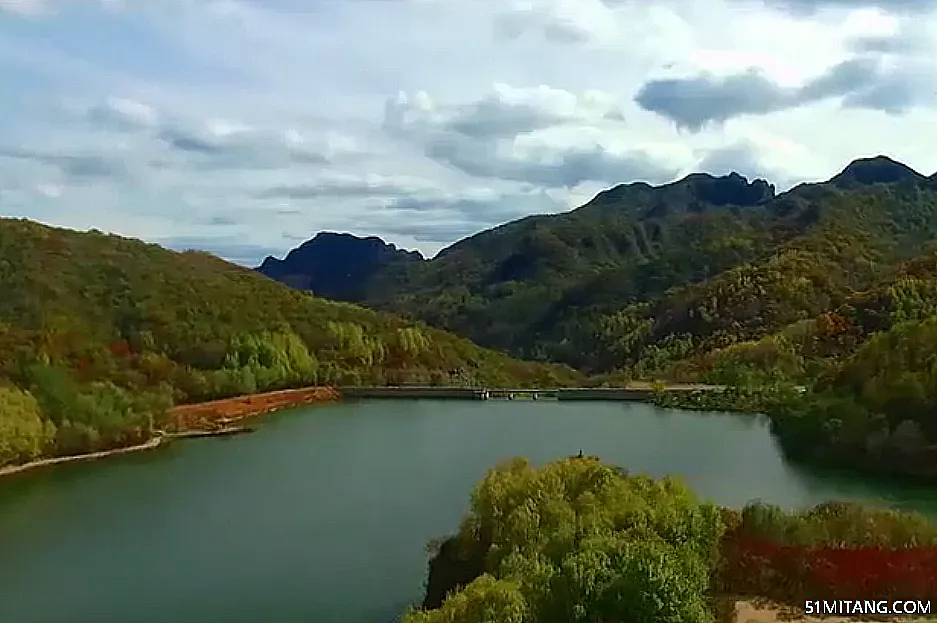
[244, 127]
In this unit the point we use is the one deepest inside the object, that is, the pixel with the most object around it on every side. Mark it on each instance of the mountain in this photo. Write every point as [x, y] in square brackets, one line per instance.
[877, 170]
[335, 266]
[99, 335]
[643, 276]
[499, 283]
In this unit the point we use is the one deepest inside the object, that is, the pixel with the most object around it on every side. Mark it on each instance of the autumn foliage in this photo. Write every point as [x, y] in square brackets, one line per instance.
[832, 551]
[792, 574]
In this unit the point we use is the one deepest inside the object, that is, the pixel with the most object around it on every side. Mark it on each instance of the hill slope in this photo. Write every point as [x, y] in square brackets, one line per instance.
[869, 370]
[100, 334]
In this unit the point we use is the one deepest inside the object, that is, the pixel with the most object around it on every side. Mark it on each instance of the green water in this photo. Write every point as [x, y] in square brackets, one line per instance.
[322, 515]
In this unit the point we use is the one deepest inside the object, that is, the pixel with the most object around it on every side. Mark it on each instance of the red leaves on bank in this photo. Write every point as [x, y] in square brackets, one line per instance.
[793, 574]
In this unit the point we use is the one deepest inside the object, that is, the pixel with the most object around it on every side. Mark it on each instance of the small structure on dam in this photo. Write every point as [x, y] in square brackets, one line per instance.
[522, 394]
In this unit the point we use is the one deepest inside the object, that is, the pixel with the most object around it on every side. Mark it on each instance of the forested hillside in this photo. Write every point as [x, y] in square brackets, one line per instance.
[644, 277]
[99, 335]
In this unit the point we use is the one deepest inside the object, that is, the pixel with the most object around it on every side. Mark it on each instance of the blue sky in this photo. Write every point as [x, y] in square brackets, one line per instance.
[246, 126]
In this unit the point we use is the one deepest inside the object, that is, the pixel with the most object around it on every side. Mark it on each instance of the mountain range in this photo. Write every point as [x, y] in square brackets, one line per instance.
[606, 286]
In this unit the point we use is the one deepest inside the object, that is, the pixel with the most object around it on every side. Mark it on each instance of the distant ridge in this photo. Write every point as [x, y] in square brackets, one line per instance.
[335, 265]
[690, 193]
[338, 265]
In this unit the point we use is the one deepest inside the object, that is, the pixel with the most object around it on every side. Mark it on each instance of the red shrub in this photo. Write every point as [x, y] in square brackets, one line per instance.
[793, 574]
[119, 349]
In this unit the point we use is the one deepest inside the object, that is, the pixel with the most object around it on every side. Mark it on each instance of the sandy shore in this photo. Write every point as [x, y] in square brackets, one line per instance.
[205, 416]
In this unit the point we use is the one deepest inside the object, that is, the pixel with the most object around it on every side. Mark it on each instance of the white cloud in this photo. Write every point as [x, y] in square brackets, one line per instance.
[540, 135]
[26, 7]
[36, 8]
[52, 191]
[564, 21]
[506, 112]
[245, 125]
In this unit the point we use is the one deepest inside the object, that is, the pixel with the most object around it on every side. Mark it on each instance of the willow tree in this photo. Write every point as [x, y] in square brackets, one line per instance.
[580, 541]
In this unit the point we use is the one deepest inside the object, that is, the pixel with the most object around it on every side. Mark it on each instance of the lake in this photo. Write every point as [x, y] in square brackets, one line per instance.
[322, 515]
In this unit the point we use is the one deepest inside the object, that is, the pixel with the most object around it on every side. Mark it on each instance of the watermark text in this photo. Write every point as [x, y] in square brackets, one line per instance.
[858, 607]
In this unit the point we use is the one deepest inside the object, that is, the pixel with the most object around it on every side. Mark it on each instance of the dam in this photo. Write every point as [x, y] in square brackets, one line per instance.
[639, 393]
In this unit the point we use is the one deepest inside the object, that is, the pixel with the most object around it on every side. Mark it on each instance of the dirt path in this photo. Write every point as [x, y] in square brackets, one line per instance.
[220, 413]
[91, 456]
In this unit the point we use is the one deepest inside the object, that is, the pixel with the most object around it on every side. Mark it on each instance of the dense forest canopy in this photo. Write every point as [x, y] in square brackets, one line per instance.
[99, 335]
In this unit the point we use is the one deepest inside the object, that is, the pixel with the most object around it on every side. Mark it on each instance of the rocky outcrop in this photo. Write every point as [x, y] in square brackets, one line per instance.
[450, 569]
[695, 193]
[733, 190]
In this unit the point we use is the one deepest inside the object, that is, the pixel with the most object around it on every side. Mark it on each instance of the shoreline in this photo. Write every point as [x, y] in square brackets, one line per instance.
[152, 444]
[202, 419]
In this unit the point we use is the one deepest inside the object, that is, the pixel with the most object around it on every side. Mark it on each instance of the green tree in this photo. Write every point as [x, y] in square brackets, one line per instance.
[580, 541]
[485, 600]
[23, 434]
